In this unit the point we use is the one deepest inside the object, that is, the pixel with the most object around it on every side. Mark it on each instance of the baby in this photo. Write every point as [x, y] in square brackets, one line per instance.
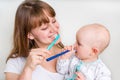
[91, 40]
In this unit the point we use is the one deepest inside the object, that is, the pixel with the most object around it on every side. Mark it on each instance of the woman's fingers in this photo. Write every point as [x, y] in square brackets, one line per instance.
[68, 54]
[40, 52]
[39, 55]
[71, 47]
[36, 57]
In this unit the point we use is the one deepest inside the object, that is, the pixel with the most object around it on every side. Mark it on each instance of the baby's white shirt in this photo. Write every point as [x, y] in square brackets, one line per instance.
[16, 65]
[96, 70]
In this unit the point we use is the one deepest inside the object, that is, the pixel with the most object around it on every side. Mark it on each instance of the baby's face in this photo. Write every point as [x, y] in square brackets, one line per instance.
[83, 46]
[83, 50]
[91, 40]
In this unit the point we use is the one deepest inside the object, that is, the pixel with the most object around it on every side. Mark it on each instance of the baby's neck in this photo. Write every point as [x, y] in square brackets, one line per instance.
[92, 59]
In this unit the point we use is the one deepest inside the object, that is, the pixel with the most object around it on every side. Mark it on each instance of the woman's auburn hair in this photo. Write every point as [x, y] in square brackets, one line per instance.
[30, 14]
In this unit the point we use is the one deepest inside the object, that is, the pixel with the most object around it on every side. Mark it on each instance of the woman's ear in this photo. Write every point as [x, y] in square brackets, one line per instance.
[30, 36]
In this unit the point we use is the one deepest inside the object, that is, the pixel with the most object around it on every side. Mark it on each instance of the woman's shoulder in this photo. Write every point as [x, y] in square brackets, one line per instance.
[17, 60]
[15, 64]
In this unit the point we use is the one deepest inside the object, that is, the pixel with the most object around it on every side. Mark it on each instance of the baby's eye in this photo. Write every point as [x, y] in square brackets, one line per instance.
[79, 44]
[54, 21]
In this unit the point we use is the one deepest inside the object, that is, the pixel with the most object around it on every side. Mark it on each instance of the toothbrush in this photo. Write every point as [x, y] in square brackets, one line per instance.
[57, 55]
[52, 44]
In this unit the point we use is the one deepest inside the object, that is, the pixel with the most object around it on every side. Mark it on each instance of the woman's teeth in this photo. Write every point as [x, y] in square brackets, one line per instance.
[55, 35]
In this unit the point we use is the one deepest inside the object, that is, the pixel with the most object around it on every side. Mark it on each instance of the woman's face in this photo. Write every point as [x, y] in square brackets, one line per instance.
[46, 33]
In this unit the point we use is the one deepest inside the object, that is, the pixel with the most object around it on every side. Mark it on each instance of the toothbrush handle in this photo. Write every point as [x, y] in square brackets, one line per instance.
[57, 55]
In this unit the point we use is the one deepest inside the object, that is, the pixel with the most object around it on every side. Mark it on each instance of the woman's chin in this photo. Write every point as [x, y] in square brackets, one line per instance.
[58, 41]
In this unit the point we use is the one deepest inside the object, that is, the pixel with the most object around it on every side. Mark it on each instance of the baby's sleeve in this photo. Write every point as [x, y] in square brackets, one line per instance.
[86, 73]
[62, 66]
[12, 66]
[104, 74]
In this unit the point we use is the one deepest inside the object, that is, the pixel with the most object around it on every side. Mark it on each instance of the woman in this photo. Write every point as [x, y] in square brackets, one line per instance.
[35, 28]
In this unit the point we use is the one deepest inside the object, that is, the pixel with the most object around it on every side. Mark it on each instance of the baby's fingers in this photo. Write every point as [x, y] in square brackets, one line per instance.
[80, 76]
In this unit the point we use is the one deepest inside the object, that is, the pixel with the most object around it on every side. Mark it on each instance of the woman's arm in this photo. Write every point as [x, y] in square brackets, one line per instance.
[25, 75]
[36, 57]
[11, 76]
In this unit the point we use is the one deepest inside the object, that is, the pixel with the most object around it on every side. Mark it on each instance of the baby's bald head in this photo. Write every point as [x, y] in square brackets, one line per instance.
[94, 35]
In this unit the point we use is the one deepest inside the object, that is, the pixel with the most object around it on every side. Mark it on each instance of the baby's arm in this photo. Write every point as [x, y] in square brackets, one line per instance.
[103, 74]
[64, 61]
[83, 74]
[62, 66]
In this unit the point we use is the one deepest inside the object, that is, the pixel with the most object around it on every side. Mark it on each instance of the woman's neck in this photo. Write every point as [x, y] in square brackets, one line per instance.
[43, 45]
[51, 65]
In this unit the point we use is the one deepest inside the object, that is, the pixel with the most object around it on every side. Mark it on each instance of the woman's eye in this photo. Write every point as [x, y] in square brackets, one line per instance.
[44, 28]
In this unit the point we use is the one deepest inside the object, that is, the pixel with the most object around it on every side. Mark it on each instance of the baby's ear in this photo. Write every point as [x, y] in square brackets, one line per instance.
[30, 36]
[95, 51]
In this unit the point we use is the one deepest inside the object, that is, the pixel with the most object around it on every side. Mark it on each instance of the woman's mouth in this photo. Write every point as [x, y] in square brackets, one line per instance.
[53, 36]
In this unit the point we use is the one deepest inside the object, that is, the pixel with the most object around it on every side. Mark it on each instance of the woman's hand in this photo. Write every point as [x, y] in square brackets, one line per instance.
[80, 76]
[36, 57]
[69, 54]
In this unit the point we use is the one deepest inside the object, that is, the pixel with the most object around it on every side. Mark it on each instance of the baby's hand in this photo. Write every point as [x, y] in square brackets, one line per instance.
[80, 76]
[69, 54]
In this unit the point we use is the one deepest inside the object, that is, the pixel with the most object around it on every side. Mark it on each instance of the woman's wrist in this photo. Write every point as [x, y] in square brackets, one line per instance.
[28, 70]
[26, 74]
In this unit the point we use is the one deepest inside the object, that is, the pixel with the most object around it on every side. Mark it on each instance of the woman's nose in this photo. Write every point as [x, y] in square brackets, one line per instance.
[54, 28]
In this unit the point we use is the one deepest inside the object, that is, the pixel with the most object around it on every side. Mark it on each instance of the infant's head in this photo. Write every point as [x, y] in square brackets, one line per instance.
[91, 40]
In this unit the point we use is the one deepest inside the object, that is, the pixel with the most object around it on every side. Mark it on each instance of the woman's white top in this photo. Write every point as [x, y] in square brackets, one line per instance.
[16, 65]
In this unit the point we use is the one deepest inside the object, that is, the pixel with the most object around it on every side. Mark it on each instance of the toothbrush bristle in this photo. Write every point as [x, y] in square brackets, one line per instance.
[60, 45]
[52, 44]
[55, 35]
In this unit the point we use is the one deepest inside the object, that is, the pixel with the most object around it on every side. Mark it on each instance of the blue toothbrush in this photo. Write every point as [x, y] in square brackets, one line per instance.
[51, 45]
[57, 55]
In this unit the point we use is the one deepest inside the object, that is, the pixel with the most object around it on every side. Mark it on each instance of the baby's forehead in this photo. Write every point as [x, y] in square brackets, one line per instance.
[91, 32]
[92, 28]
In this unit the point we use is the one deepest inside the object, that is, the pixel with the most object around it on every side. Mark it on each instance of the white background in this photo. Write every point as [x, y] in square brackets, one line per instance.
[71, 14]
